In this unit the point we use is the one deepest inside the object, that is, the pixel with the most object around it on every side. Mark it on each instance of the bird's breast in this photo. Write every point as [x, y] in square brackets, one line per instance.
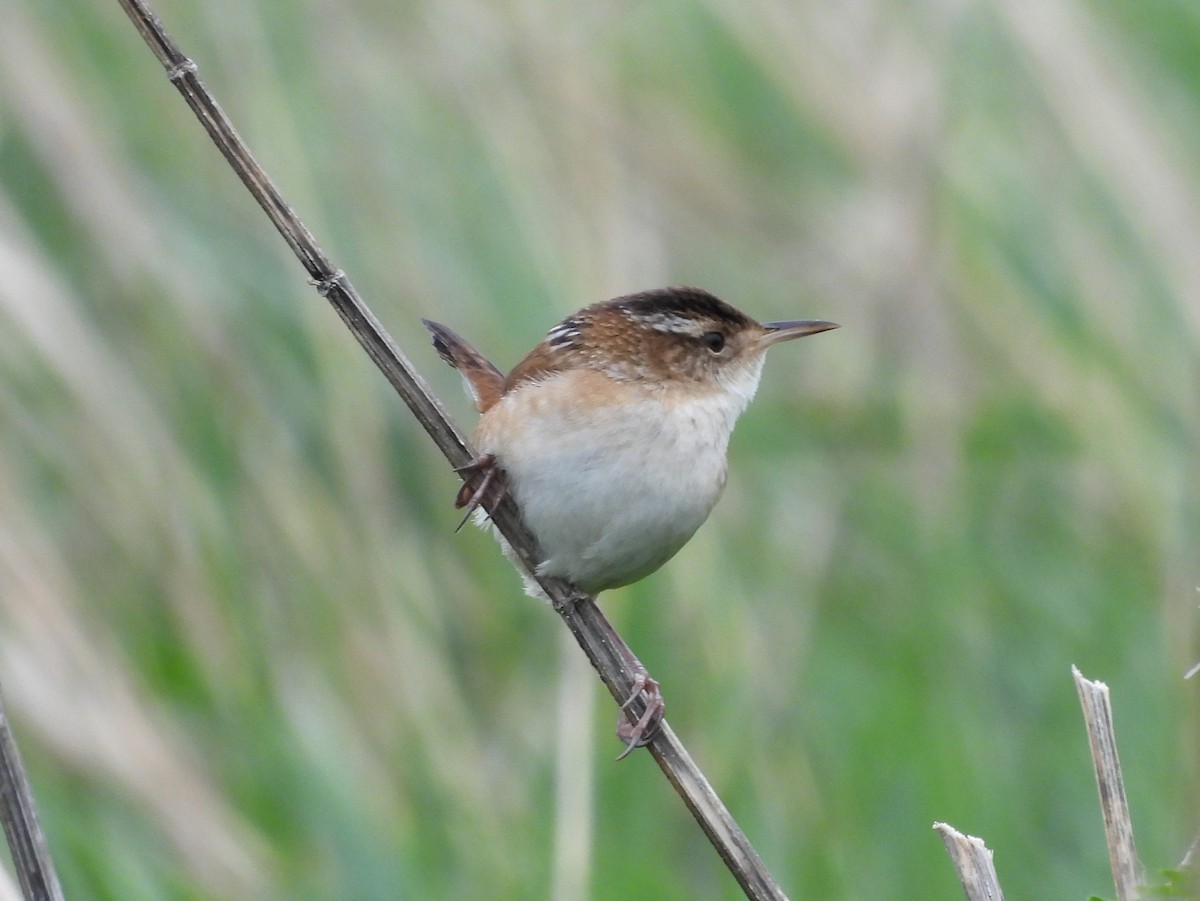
[611, 477]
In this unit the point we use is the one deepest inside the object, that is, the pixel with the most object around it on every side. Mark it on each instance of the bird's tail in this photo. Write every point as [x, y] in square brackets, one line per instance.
[484, 382]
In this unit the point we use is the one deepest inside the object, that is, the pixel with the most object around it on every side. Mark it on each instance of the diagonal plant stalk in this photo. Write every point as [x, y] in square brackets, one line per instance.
[609, 654]
[26, 841]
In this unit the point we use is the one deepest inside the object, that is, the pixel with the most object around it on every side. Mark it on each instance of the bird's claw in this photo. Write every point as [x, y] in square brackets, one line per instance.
[483, 480]
[637, 733]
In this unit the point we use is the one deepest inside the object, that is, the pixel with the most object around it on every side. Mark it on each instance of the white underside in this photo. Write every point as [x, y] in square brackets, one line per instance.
[614, 491]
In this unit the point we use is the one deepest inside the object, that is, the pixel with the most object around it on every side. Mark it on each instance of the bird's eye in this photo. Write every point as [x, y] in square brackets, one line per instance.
[714, 341]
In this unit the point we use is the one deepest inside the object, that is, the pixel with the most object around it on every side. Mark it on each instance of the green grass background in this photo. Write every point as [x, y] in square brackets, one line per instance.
[247, 658]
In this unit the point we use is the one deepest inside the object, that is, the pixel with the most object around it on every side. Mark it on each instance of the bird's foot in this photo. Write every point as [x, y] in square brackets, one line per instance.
[483, 482]
[639, 731]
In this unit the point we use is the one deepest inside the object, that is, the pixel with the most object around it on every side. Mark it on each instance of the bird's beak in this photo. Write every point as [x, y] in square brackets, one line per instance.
[793, 328]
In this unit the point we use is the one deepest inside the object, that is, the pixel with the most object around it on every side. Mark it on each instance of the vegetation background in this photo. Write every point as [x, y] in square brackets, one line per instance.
[247, 657]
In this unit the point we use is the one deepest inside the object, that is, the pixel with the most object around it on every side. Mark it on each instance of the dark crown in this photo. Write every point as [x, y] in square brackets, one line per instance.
[690, 303]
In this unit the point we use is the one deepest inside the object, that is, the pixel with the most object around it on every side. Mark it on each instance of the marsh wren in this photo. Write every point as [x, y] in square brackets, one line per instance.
[611, 435]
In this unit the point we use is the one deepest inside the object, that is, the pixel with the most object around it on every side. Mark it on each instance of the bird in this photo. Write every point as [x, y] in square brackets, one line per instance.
[611, 435]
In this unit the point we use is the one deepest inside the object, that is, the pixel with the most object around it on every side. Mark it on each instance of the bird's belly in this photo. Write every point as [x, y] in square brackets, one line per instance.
[612, 493]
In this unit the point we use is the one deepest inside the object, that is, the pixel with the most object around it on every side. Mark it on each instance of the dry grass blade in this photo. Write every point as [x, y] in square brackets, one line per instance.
[972, 862]
[1097, 715]
[615, 664]
[30, 854]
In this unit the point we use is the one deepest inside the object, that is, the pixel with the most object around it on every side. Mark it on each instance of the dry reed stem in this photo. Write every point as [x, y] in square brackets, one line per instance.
[1118, 828]
[615, 663]
[30, 853]
[972, 862]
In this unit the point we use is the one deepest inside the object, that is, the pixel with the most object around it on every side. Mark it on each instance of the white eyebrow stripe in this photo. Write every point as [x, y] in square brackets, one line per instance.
[672, 324]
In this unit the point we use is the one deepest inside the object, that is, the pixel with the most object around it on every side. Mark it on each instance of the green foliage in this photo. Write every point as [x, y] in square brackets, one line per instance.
[246, 656]
[1176, 884]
